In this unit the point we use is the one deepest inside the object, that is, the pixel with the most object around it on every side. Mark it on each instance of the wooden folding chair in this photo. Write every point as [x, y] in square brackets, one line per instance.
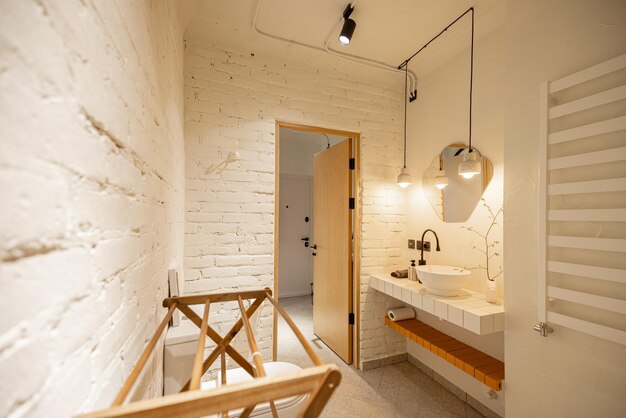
[318, 382]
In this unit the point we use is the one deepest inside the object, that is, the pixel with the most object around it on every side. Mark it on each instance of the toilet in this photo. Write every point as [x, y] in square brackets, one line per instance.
[179, 352]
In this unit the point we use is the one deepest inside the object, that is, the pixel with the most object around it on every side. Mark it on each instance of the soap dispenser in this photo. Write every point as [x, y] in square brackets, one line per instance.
[412, 273]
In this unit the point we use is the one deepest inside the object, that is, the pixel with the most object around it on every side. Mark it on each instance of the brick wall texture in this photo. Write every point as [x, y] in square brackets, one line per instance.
[111, 171]
[232, 101]
[92, 196]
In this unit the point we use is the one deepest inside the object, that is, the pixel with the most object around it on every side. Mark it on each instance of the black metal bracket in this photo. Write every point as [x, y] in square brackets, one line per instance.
[348, 11]
[350, 318]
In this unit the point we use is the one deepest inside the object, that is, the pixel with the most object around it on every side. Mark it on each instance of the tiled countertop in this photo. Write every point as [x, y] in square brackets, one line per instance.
[468, 310]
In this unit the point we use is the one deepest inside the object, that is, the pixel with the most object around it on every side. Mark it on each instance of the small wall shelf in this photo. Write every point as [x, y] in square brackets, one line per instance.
[477, 364]
[469, 310]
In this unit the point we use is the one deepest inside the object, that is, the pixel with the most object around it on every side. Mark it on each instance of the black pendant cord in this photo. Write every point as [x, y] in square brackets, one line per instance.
[405, 65]
[471, 81]
[471, 9]
[406, 76]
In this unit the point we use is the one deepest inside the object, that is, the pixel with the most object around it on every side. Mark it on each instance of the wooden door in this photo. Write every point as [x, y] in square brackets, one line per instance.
[332, 263]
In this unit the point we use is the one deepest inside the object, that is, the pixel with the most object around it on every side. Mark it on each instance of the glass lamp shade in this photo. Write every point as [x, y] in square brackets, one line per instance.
[404, 179]
[469, 167]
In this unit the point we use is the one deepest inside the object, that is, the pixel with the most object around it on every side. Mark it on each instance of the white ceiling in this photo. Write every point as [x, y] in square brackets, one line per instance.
[387, 31]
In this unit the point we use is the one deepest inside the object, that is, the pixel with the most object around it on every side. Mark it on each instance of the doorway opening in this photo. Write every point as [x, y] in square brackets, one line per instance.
[315, 168]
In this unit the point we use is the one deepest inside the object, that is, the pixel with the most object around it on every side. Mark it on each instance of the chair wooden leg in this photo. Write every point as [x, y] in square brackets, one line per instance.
[212, 334]
[246, 412]
[226, 341]
[319, 398]
[196, 371]
[256, 355]
[123, 393]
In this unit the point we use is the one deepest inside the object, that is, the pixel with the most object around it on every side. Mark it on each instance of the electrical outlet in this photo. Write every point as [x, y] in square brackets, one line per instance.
[426, 245]
[412, 244]
[418, 245]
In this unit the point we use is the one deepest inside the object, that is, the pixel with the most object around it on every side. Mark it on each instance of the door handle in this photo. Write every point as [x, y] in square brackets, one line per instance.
[304, 239]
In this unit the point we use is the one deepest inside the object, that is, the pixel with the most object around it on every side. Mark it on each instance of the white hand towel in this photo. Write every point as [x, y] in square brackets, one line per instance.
[400, 314]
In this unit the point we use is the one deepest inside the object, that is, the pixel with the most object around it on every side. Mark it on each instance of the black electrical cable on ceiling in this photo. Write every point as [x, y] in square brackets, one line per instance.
[405, 64]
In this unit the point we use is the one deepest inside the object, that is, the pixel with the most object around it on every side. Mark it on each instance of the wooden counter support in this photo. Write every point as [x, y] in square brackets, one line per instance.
[481, 366]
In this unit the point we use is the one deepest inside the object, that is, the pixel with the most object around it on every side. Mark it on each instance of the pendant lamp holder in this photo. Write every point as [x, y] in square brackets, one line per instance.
[348, 11]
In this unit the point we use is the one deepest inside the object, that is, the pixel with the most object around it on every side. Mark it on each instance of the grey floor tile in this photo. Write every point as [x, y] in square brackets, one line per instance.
[399, 390]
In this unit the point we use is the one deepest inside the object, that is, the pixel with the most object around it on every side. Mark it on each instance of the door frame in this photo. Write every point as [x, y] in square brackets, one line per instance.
[356, 216]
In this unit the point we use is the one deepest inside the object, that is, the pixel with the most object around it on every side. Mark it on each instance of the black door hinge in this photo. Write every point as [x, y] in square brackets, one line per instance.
[350, 318]
[352, 163]
[351, 202]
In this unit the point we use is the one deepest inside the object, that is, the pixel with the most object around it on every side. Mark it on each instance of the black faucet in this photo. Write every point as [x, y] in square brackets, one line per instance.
[421, 261]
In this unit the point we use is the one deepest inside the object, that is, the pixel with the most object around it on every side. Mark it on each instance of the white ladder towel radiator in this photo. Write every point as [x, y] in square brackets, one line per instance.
[582, 202]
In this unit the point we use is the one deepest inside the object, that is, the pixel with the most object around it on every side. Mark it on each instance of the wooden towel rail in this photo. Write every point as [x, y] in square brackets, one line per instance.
[318, 382]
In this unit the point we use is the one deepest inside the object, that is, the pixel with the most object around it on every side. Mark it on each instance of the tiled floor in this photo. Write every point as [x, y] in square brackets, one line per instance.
[399, 390]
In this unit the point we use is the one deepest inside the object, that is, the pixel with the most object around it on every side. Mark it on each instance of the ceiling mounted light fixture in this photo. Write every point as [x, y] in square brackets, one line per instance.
[404, 179]
[348, 26]
[470, 166]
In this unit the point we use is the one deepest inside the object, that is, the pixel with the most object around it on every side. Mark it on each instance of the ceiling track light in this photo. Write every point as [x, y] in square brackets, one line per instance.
[349, 26]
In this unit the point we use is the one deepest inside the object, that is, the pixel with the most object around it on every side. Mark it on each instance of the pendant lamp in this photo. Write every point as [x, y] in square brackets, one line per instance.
[440, 180]
[470, 166]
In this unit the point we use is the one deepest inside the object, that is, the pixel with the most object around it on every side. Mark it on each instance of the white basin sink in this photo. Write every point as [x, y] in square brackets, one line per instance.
[442, 280]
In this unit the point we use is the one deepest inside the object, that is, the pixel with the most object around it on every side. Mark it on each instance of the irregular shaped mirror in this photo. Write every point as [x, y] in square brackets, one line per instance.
[453, 197]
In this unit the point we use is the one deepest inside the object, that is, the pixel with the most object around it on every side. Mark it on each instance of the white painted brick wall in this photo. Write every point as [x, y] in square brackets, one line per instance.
[91, 207]
[232, 101]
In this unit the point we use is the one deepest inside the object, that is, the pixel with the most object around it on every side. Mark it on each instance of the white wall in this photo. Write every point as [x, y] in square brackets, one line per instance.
[297, 149]
[295, 264]
[567, 374]
[232, 102]
[91, 213]
[439, 117]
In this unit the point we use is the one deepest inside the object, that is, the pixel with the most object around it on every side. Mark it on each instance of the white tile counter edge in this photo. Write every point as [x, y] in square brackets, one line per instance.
[469, 310]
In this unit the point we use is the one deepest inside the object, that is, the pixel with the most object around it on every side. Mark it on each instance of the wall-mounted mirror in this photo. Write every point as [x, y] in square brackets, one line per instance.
[453, 197]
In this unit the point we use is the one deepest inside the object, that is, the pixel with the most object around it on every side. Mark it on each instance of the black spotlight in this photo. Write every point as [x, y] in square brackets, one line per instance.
[348, 26]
